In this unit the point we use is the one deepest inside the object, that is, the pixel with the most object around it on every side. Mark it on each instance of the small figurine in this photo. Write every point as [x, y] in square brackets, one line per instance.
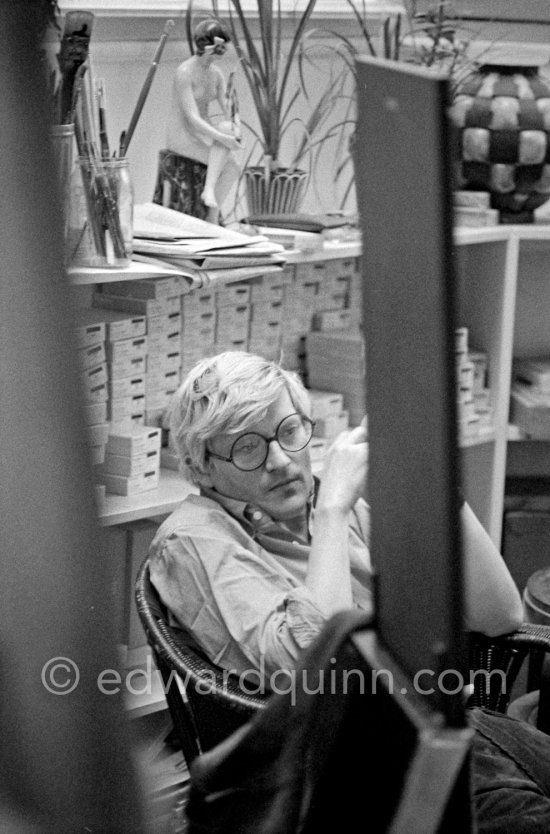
[191, 132]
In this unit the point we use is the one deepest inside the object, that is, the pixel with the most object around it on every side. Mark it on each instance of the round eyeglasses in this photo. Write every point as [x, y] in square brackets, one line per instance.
[250, 450]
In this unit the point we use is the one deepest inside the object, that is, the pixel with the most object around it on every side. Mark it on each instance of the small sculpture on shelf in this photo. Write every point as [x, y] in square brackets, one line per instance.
[198, 166]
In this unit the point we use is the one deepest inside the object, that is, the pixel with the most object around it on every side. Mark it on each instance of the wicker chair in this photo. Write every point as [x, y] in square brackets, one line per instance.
[507, 654]
[212, 705]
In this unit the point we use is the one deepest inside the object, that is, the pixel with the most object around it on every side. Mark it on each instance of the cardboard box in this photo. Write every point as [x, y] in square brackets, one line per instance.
[268, 289]
[162, 381]
[90, 327]
[267, 311]
[197, 302]
[331, 425]
[96, 435]
[131, 485]
[95, 412]
[164, 323]
[264, 335]
[130, 465]
[530, 411]
[157, 400]
[346, 268]
[134, 442]
[128, 386]
[137, 306]
[163, 343]
[325, 403]
[128, 367]
[164, 362]
[535, 372]
[96, 393]
[233, 295]
[146, 288]
[131, 421]
[127, 408]
[119, 325]
[91, 356]
[123, 349]
[231, 344]
[93, 378]
[332, 320]
[202, 329]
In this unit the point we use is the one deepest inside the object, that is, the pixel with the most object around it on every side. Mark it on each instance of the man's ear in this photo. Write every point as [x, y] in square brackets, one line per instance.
[205, 479]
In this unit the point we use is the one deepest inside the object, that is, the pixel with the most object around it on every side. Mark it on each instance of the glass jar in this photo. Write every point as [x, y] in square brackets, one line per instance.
[63, 140]
[102, 210]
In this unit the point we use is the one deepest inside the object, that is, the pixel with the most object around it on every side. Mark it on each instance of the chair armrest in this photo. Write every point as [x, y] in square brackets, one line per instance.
[496, 661]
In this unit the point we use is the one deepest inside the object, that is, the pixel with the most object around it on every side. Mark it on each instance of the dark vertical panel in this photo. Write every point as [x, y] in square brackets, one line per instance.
[65, 760]
[405, 207]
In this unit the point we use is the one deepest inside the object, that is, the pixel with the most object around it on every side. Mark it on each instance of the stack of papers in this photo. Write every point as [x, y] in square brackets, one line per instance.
[202, 252]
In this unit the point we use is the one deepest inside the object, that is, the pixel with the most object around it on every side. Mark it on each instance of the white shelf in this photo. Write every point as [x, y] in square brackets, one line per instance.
[120, 509]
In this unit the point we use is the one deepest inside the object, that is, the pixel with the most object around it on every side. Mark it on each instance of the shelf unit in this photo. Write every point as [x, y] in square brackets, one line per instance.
[503, 299]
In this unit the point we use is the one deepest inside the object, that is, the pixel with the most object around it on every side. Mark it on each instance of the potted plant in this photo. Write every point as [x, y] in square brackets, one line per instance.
[289, 127]
[429, 38]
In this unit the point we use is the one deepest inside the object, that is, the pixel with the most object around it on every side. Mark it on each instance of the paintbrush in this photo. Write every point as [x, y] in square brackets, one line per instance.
[72, 54]
[145, 89]
[103, 138]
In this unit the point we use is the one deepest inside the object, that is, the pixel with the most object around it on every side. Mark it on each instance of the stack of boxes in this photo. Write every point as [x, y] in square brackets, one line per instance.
[132, 460]
[318, 297]
[198, 336]
[126, 350]
[158, 302]
[336, 362]
[232, 317]
[90, 338]
[474, 410]
[530, 397]
[136, 326]
[331, 418]
[266, 315]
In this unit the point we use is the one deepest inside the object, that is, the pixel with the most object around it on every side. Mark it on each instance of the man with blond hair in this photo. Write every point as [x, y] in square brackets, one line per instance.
[256, 563]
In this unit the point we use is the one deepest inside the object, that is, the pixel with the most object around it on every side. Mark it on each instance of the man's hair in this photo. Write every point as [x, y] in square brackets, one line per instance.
[226, 394]
[206, 31]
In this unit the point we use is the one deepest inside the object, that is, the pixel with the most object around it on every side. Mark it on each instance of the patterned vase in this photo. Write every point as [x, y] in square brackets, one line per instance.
[503, 119]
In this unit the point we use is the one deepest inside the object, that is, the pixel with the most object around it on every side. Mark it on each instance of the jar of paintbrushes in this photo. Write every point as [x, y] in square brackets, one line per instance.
[102, 204]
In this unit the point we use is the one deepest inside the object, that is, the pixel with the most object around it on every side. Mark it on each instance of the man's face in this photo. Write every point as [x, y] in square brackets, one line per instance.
[281, 486]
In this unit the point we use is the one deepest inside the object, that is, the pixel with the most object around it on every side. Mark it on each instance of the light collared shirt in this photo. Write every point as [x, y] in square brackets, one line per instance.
[235, 579]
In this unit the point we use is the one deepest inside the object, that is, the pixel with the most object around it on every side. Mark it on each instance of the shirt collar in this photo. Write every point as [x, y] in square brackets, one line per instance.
[250, 515]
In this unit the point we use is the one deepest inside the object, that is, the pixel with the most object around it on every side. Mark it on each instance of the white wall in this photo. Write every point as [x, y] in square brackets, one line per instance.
[121, 52]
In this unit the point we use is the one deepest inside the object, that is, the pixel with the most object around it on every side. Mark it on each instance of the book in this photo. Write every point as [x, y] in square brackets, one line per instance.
[301, 221]
[293, 238]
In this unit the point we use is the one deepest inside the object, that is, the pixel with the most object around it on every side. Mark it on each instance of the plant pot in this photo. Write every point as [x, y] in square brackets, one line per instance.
[279, 193]
[503, 117]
